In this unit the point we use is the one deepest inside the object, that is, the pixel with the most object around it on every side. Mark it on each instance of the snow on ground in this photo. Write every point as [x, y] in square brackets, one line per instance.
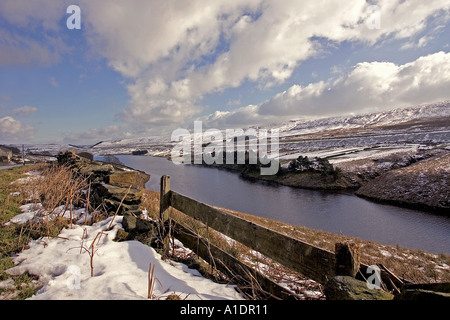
[29, 212]
[30, 177]
[120, 269]
[338, 155]
[36, 213]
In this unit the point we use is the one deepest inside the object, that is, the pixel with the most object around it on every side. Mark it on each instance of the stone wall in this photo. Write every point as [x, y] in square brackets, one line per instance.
[110, 183]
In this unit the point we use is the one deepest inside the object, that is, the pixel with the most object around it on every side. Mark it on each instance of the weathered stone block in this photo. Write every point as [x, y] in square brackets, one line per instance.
[427, 291]
[86, 155]
[118, 193]
[131, 223]
[348, 288]
[114, 206]
[420, 294]
[126, 178]
[96, 171]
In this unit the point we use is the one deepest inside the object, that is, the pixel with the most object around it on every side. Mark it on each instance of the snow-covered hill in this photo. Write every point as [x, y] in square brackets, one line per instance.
[370, 120]
[161, 145]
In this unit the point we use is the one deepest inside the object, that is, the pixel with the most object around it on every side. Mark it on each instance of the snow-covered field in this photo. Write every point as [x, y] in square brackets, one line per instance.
[84, 262]
[337, 155]
[120, 269]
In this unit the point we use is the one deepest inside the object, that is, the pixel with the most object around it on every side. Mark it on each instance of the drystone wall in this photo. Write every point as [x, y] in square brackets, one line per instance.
[113, 186]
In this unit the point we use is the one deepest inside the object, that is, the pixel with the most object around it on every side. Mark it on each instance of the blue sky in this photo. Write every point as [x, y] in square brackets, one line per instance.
[139, 68]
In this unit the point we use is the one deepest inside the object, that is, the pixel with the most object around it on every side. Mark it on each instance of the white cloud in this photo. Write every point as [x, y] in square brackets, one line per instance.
[12, 130]
[404, 19]
[368, 86]
[177, 52]
[35, 39]
[24, 111]
[34, 14]
[174, 53]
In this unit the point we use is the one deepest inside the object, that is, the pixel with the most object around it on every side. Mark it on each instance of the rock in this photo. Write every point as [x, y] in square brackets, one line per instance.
[124, 209]
[428, 291]
[137, 179]
[122, 235]
[96, 171]
[139, 229]
[348, 288]
[131, 223]
[420, 294]
[118, 193]
[86, 155]
[69, 158]
[109, 182]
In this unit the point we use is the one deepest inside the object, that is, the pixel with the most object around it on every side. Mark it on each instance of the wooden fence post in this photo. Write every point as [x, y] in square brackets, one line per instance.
[347, 259]
[164, 204]
[164, 198]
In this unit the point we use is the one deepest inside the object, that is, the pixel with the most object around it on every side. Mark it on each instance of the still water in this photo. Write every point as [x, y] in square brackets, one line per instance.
[337, 212]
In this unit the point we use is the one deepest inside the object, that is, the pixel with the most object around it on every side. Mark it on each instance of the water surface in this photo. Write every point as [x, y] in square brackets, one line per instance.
[337, 212]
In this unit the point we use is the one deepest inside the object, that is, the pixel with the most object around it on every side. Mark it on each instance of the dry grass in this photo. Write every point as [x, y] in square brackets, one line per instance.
[51, 186]
[423, 183]
[91, 249]
[151, 281]
[414, 265]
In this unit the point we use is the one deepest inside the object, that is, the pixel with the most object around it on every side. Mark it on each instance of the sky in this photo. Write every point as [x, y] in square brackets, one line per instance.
[141, 68]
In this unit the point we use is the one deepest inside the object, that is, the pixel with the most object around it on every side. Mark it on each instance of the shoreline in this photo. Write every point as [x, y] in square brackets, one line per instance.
[344, 192]
[348, 183]
[280, 180]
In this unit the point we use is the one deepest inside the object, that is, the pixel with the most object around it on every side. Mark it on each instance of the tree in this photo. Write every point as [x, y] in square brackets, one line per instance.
[325, 167]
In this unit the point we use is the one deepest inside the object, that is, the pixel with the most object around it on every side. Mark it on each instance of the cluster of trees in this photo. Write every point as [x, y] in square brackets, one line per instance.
[249, 161]
[245, 161]
[316, 164]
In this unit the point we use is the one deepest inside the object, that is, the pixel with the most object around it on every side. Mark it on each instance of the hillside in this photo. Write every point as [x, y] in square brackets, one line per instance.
[425, 184]
[427, 123]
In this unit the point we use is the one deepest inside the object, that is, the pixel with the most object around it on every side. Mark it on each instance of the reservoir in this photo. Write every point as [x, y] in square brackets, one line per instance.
[336, 212]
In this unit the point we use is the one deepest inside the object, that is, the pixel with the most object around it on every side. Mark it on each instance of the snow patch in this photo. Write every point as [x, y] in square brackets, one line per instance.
[120, 269]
